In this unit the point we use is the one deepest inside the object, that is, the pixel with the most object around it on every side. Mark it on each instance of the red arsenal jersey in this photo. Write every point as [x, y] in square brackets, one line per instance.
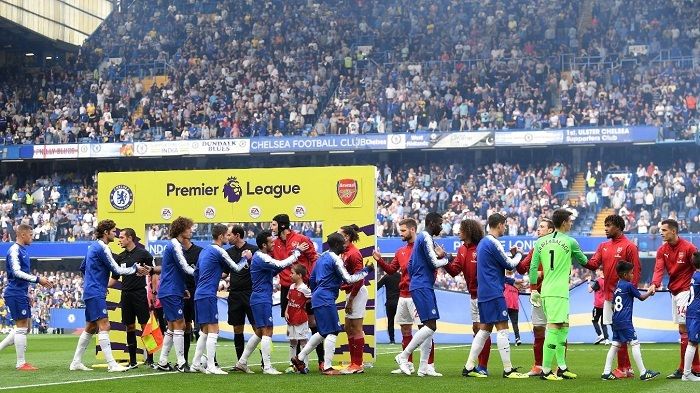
[400, 262]
[465, 263]
[677, 260]
[608, 254]
[296, 308]
[524, 268]
[283, 248]
[352, 259]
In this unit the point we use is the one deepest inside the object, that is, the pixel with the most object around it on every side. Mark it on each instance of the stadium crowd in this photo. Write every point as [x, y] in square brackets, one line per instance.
[646, 194]
[271, 68]
[66, 293]
[62, 207]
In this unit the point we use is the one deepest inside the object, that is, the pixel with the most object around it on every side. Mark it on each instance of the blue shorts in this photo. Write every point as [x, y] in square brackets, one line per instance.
[693, 326]
[624, 335]
[262, 315]
[493, 311]
[172, 307]
[95, 309]
[19, 307]
[426, 304]
[327, 320]
[206, 310]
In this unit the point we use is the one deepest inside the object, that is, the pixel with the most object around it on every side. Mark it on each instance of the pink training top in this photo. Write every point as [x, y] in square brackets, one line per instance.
[511, 294]
[599, 295]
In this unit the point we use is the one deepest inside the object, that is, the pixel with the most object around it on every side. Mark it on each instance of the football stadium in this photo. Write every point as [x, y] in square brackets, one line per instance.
[394, 195]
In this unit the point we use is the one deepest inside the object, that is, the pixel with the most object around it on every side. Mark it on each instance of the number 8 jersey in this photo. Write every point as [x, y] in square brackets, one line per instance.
[623, 304]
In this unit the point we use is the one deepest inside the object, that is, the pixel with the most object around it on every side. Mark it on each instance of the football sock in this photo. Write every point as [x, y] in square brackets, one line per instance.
[485, 353]
[179, 344]
[614, 347]
[106, 346]
[266, 348]
[167, 345]
[212, 338]
[548, 352]
[684, 345]
[239, 343]
[425, 349]
[253, 342]
[424, 333]
[623, 358]
[405, 340]
[131, 345]
[477, 346]
[537, 348]
[329, 349]
[637, 354]
[9, 340]
[20, 345]
[199, 349]
[504, 349]
[314, 342]
[83, 342]
[188, 341]
[560, 351]
[689, 355]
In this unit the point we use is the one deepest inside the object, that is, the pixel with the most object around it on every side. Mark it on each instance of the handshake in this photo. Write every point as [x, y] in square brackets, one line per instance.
[142, 270]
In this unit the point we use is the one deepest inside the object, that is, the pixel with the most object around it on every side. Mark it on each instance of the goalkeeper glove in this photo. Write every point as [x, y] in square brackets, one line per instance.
[536, 298]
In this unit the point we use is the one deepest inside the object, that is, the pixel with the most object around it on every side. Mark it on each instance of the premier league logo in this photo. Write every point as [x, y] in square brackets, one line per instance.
[121, 197]
[232, 190]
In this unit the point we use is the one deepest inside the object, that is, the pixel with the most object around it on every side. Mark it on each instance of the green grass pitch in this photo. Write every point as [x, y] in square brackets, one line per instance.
[52, 354]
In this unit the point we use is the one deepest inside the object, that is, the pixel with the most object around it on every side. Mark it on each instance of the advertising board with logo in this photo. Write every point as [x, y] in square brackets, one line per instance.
[333, 196]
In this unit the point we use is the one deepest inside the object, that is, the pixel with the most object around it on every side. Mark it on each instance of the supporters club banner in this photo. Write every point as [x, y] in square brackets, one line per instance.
[635, 134]
[105, 150]
[574, 136]
[526, 138]
[144, 200]
[49, 152]
[652, 318]
[450, 140]
[192, 147]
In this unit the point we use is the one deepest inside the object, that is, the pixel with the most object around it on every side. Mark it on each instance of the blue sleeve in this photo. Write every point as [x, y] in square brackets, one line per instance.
[634, 291]
[495, 248]
[312, 279]
[510, 281]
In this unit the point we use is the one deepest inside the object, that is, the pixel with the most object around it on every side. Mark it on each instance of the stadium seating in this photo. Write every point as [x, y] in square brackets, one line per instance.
[228, 69]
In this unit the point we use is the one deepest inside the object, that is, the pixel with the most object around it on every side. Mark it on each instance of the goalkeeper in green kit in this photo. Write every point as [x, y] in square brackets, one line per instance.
[556, 252]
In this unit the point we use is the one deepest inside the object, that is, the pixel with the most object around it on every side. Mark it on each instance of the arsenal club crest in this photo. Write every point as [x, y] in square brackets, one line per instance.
[347, 190]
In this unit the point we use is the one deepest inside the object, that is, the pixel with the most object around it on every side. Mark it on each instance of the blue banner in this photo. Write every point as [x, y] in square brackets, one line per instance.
[652, 318]
[67, 318]
[321, 143]
[388, 245]
[604, 135]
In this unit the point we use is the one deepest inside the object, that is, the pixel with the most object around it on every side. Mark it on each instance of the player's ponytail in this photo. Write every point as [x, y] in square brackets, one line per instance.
[351, 231]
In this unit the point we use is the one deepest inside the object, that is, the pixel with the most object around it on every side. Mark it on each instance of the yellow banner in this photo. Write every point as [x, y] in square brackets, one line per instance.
[334, 196]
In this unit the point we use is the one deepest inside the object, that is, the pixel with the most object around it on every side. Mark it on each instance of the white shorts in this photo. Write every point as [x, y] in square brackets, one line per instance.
[359, 304]
[538, 317]
[475, 310]
[679, 305]
[298, 332]
[607, 312]
[406, 313]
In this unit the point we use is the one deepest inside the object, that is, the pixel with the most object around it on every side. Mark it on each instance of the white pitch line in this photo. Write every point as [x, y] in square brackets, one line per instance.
[449, 347]
[84, 381]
